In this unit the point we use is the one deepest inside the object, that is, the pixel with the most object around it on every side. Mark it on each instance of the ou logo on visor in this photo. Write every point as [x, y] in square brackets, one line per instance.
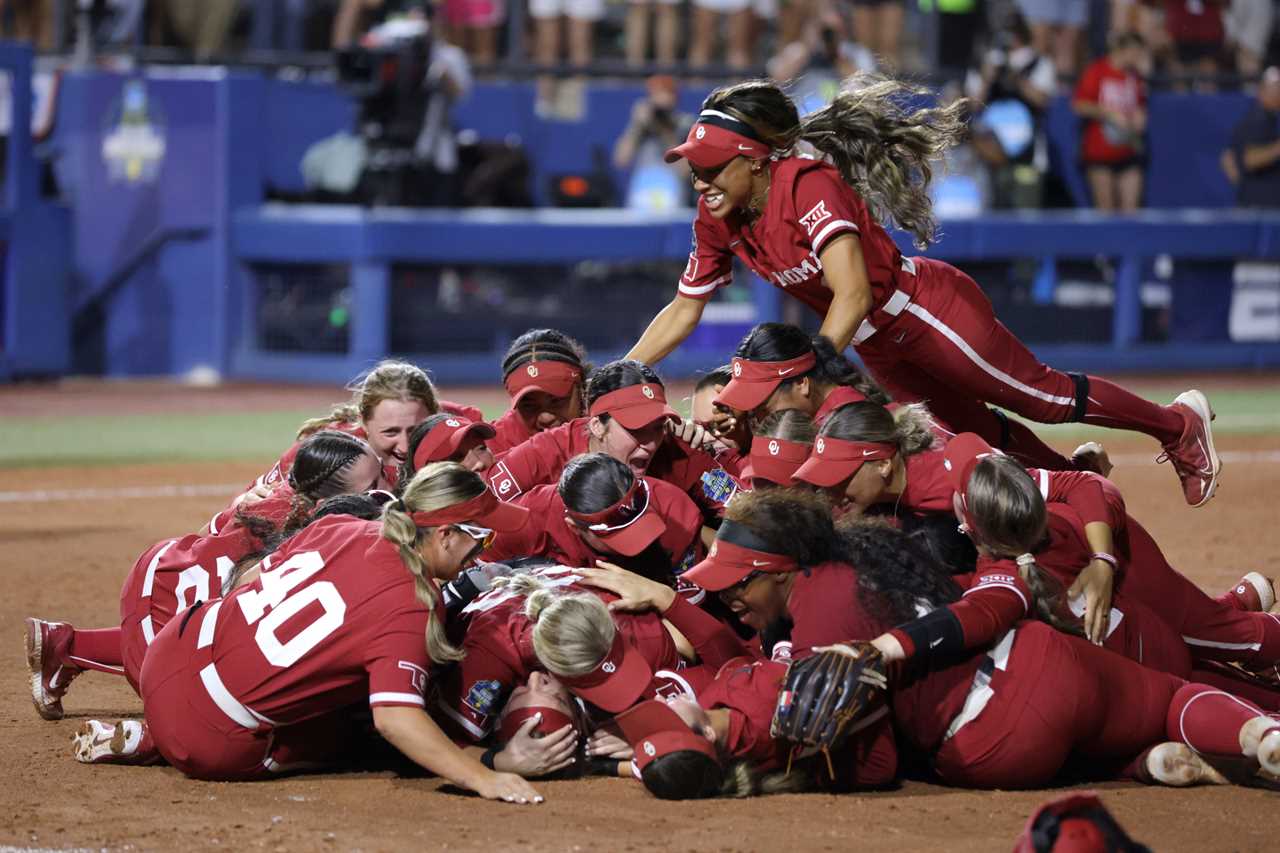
[820, 446]
[701, 132]
[609, 666]
[532, 370]
[452, 423]
[773, 448]
[646, 391]
[737, 368]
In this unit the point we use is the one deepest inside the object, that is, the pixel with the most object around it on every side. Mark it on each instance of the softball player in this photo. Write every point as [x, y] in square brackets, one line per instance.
[448, 438]
[924, 329]
[544, 372]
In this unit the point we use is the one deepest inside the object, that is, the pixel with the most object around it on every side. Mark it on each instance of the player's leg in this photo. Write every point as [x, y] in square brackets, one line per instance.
[57, 652]
[1219, 725]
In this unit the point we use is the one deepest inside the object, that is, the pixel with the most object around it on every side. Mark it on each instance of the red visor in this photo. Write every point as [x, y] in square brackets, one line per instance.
[961, 455]
[484, 510]
[442, 443]
[754, 381]
[715, 139]
[776, 459]
[627, 526]
[553, 720]
[835, 460]
[1078, 828]
[556, 378]
[730, 562]
[636, 406]
[654, 730]
[617, 681]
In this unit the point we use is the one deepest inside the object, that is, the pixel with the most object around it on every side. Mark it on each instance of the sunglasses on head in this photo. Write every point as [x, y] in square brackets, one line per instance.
[483, 535]
[627, 513]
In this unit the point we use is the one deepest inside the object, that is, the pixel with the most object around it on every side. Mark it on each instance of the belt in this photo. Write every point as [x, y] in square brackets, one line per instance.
[980, 691]
[893, 306]
[240, 714]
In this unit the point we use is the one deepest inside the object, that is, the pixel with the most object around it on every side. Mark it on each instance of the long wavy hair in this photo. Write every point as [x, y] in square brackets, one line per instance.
[879, 133]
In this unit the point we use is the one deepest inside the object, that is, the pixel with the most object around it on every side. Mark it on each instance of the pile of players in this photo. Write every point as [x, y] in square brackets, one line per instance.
[591, 583]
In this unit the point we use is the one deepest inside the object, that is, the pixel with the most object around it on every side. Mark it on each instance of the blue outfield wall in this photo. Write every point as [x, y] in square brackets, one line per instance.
[168, 255]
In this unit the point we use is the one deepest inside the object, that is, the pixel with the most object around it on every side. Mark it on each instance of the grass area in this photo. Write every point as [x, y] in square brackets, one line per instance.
[111, 439]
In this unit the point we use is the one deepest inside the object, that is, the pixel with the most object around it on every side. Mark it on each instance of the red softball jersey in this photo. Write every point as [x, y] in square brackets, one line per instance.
[500, 656]
[548, 534]
[169, 577]
[332, 620]
[809, 205]
[541, 459]
[510, 431]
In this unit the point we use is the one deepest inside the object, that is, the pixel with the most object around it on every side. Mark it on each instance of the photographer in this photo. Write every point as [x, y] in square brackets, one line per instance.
[817, 62]
[655, 126]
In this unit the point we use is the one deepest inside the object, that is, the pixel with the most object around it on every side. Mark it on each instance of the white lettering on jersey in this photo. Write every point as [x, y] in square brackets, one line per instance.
[815, 217]
[417, 675]
[796, 275]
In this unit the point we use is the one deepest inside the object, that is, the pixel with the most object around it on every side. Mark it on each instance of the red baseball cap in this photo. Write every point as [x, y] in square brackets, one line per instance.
[716, 138]
[960, 456]
[654, 730]
[754, 381]
[444, 439]
[775, 459]
[484, 510]
[629, 525]
[557, 378]
[835, 460]
[635, 406]
[617, 681]
[736, 553]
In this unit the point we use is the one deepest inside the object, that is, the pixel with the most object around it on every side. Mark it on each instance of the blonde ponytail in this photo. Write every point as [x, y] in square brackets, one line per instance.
[435, 486]
[572, 631]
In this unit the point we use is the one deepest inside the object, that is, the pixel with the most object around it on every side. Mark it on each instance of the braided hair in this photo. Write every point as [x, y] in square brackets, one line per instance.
[545, 345]
[616, 375]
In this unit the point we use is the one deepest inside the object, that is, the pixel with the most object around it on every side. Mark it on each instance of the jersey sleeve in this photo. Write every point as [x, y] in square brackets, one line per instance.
[529, 540]
[998, 598]
[476, 689]
[710, 264]
[1092, 496]
[826, 207]
[714, 641]
[397, 662]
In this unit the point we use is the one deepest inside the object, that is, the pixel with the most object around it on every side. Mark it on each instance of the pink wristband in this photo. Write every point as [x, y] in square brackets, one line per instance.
[1106, 558]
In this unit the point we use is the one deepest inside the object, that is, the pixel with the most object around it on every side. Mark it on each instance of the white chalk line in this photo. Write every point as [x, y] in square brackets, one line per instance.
[121, 493]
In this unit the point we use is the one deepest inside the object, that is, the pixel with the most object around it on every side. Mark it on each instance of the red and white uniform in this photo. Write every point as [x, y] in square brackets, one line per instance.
[510, 431]
[931, 334]
[541, 459]
[499, 652]
[237, 688]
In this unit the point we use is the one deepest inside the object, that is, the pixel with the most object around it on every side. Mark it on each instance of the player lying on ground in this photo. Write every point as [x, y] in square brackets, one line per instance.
[924, 329]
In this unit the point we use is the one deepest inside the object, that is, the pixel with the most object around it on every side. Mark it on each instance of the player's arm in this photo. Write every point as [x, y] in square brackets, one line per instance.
[668, 329]
[845, 272]
[411, 731]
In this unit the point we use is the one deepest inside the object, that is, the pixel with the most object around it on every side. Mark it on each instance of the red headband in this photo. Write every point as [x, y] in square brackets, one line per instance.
[557, 378]
[444, 439]
[715, 139]
[635, 406]
[754, 381]
[653, 729]
[735, 554]
[835, 460]
[484, 509]
[776, 459]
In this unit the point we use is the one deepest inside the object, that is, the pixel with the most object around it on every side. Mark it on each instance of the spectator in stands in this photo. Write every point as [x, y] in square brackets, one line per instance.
[877, 24]
[1253, 160]
[959, 31]
[706, 23]
[814, 65]
[1198, 39]
[1056, 29]
[473, 25]
[655, 126]
[550, 18]
[1111, 97]
[1249, 24]
[202, 25]
[1011, 90]
[666, 30]
[32, 21]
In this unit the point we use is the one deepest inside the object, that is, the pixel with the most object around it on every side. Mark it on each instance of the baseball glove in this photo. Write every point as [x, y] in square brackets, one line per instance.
[824, 694]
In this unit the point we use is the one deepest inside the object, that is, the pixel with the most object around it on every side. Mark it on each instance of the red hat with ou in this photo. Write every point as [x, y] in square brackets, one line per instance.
[654, 730]
[835, 460]
[716, 138]
[629, 525]
[557, 378]
[754, 381]
[635, 406]
[775, 459]
[617, 681]
[1076, 823]
[445, 438]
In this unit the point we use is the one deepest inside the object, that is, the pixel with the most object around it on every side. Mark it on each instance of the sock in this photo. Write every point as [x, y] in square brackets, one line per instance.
[1109, 405]
[1208, 720]
[97, 649]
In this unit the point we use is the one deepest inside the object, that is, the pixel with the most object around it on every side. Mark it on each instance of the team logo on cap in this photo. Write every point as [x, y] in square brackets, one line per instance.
[649, 749]
[452, 423]
[532, 370]
[773, 448]
[737, 368]
[712, 552]
[820, 446]
[701, 132]
[647, 391]
[609, 667]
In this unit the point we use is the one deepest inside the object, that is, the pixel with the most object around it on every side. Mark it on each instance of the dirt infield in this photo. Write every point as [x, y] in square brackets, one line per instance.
[65, 557]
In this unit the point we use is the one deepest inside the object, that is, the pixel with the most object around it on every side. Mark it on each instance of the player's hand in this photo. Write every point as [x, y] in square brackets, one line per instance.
[634, 592]
[537, 756]
[693, 434]
[607, 744]
[507, 787]
[1092, 456]
[257, 493]
[1095, 583]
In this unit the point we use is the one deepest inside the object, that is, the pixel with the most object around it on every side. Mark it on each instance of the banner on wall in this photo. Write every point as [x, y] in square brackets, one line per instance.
[133, 140]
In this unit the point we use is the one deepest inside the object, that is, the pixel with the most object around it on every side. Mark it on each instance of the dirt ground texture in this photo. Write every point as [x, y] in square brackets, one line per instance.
[64, 558]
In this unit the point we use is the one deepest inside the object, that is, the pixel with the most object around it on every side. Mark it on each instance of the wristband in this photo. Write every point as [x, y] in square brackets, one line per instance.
[1106, 558]
[487, 758]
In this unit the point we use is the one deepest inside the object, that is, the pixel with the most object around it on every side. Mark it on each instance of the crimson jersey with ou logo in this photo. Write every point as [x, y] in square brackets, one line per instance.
[332, 620]
[809, 205]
